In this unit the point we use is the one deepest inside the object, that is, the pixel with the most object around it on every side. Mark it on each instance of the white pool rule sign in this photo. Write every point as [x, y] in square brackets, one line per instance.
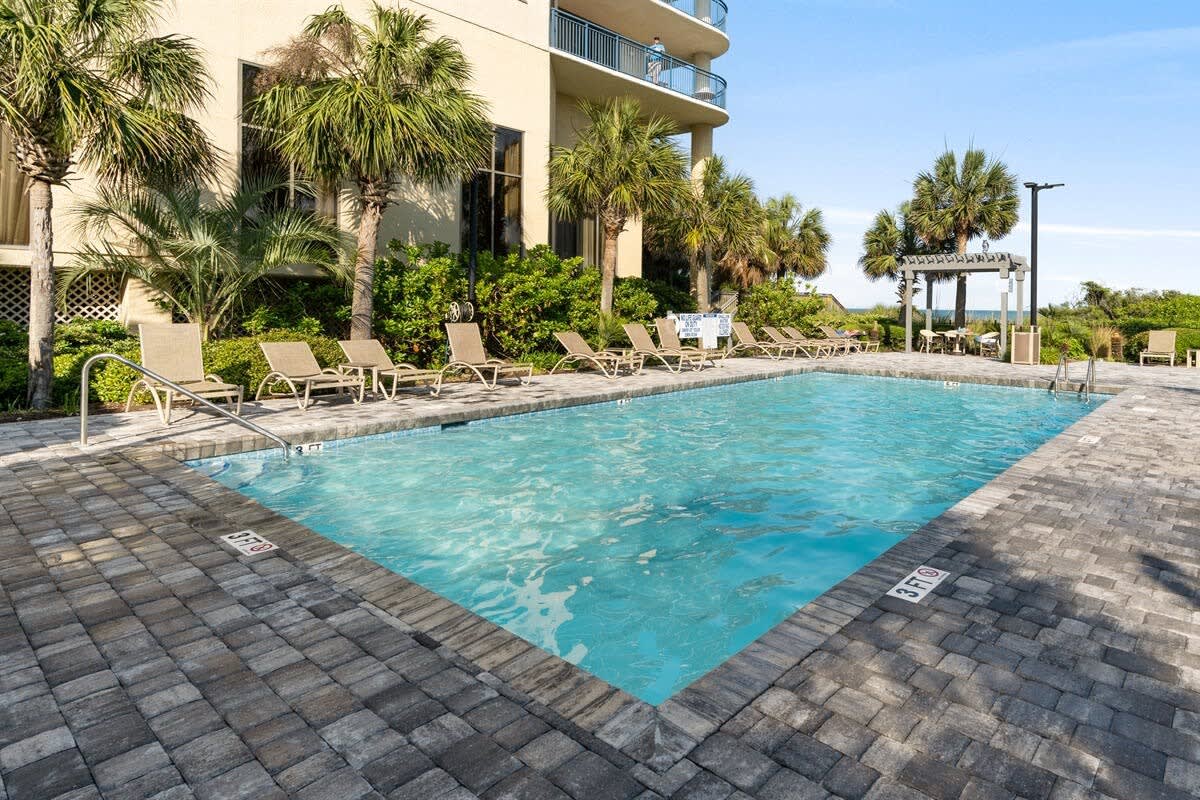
[918, 584]
[248, 543]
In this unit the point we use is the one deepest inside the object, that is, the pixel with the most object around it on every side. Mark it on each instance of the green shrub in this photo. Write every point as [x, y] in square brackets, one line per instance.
[777, 303]
[521, 301]
[414, 287]
[82, 333]
[319, 306]
[1185, 339]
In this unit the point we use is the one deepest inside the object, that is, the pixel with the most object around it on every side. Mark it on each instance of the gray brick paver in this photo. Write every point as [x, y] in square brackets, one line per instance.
[1059, 663]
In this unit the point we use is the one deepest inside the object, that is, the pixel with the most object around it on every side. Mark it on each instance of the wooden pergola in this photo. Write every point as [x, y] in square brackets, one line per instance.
[1005, 264]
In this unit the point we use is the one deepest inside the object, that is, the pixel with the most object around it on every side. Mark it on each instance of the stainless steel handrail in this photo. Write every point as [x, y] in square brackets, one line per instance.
[175, 387]
[1063, 373]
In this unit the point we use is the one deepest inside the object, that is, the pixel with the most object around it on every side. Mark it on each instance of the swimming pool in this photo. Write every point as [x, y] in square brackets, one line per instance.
[649, 541]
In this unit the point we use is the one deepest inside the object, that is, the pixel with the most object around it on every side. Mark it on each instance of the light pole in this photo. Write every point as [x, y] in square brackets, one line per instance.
[1034, 188]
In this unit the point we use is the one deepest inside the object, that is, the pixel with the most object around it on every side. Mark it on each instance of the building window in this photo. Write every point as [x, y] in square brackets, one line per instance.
[497, 199]
[259, 159]
[14, 197]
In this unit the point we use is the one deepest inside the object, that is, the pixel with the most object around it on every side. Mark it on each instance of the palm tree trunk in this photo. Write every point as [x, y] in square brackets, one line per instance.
[960, 295]
[362, 305]
[960, 301]
[41, 295]
[704, 282]
[608, 268]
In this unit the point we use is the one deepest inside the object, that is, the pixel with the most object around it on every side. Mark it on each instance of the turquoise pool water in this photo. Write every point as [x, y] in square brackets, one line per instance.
[650, 541]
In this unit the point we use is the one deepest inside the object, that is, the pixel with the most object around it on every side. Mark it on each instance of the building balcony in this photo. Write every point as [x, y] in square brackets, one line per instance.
[593, 62]
[687, 27]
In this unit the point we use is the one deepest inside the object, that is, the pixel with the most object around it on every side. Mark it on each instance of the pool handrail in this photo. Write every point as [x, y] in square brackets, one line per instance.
[175, 387]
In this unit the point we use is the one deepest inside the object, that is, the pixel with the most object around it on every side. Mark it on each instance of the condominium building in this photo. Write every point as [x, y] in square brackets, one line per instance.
[533, 60]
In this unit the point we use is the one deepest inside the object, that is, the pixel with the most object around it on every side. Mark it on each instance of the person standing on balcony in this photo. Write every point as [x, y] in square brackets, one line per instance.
[654, 60]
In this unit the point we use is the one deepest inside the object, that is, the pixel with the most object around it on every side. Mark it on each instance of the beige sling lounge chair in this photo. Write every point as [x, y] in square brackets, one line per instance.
[810, 347]
[468, 353]
[747, 342]
[294, 364]
[645, 347]
[1160, 347]
[823, 346]
[368, 354]
[855, 344]
[668, 339]
[580, 352]
[173, 351]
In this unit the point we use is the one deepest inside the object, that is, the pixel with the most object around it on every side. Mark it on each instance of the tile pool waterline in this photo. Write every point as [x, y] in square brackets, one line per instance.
[648, 542]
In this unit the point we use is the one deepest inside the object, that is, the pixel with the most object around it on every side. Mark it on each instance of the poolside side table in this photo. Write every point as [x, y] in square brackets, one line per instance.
[1193, 358]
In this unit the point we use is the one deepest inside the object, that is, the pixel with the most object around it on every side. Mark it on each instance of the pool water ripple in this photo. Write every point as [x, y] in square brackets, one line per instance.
[650, 541]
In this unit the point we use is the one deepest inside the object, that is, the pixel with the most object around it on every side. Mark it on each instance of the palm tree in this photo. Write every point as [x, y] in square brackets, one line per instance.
[373, 103]
[890, 238]
[795, 238]
[622, 167]
[199, 257]
[719, 219]
[82, 83]
[960, 204]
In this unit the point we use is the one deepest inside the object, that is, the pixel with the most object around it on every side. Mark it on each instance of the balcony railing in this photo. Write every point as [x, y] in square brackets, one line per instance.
[714, 12]
[577, 36]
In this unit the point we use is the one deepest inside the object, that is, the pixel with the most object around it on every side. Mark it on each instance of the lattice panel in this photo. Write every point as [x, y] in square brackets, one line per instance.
[96, 297]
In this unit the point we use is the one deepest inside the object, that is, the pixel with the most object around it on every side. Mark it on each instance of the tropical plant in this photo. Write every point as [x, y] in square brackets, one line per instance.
[198, 257]
[890, 238]
[622, 167]
[962, 202]
[83, 82]
[373, 103]
[795, 239]
[718, 219]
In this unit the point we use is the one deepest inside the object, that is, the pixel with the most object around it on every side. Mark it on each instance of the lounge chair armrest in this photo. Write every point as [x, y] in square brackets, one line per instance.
[403, 365]
[214, 378]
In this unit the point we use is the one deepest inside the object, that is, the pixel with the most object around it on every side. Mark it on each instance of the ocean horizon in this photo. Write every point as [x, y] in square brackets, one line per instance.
[973, 314]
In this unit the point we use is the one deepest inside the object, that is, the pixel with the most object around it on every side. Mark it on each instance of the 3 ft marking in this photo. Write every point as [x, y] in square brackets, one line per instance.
[248, 543]
[918, 584]
[312, 448]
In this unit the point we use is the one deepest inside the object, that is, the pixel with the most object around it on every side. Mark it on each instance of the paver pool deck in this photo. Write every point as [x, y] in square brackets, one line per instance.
[141, 658]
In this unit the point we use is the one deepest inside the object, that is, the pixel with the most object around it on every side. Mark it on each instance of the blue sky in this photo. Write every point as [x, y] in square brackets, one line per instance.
[842, 102]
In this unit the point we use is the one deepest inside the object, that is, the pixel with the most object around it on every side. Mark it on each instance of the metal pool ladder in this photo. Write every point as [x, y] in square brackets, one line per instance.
[1063, 375]
[175, 387]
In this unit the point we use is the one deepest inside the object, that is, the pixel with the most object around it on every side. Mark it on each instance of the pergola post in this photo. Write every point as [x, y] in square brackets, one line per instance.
[928, 302]
[1004, 312]
[1020, 298]
[908, 287]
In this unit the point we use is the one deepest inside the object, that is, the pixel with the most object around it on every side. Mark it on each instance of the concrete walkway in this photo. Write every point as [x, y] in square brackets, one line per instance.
[141, 658]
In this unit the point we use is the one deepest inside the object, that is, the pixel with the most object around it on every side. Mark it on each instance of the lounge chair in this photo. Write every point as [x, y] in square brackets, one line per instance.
[988, 344]
[468, 353]
[368, 354]
[644, 346]
[1160, 347]
[747, 342]
[580, 352]
[173, 351]
[668, 339]
[294, 364]
[829, 348]
[812, 348]
[854, 344]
